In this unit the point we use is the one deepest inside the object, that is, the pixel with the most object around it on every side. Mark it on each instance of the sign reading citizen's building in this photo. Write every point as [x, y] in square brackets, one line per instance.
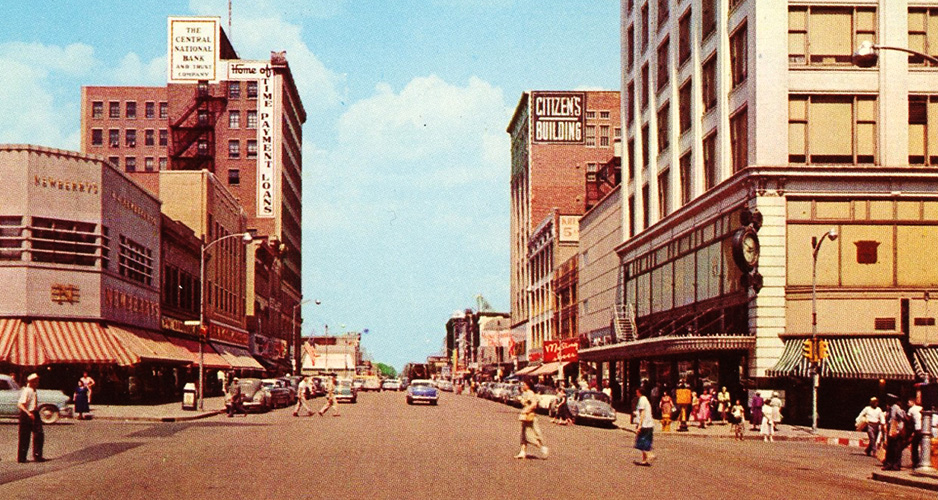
[559, 117]
[192, 49]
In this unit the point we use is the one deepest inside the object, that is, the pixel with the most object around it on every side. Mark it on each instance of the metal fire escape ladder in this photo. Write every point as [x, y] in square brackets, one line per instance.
[624, 323]
[193, 133]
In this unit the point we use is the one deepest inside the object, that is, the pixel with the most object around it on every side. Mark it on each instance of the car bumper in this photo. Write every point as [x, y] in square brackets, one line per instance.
[422, 398]
[66, 412]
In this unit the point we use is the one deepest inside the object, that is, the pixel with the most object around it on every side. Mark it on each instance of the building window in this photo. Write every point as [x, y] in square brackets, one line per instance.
[234, 177]
[646, 210]
[923, 34]
[631, 153]
[591, 172]
[630, 104]
[252, 119]
[663, 12]
[708, 18]
[664, 127]
[591, 135]
[164, 135]
[684, 106]
[130, 110]
[97, 109]
[617, 133]
[163, 163]
[828, 35]
[149, 138]
[645, 22]
[97, 137]
[739, 55]
[130, 138]
[234, 119]
[708, 83]
[164, 110]
[590, 115]
[149, 110]
[631, 216]
[136, 261]
[252, 89]
[114, 110]
[686, 184]
[114, 160]
[234, 90]
[234, 149]
[923, 126]
[201, 117]
[201, 147]
[629, 46]
[130, 164]
[644, 146]
[645, 88]
[11, 237]
[663, 50]
[148, 165]
[683, 38]
[603, 115]
[114, 138]
[63, 242]
[251, 148]
[739, 139]
[832, 129]
[604, 135]
[664, 194]
[710, 161]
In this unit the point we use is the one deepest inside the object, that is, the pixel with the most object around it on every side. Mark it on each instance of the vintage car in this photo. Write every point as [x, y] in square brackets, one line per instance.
[546, 397]
[372, 384]
[592, 406]
[422, 390]
[254, 396]
[345, 392]
[391, 384]
[280, 394]
[52, 404]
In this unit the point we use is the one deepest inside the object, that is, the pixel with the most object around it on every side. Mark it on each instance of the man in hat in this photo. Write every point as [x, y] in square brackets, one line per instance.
[895, 434]
[29, 422]
[234, 398]
[873, 418]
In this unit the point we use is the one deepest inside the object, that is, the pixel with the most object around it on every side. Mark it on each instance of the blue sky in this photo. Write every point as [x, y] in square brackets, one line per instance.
[405, 155]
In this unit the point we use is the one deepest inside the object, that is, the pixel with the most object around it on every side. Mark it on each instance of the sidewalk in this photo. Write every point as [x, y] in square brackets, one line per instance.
[168, 412]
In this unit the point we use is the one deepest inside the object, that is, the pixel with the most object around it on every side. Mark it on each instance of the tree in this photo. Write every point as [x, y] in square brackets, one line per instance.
[386, 370]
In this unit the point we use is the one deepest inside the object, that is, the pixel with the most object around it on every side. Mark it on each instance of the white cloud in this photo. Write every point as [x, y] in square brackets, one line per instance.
[132, 71]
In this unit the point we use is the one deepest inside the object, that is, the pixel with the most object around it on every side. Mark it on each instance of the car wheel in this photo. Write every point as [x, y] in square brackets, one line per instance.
[433, 402]
[48, 414]
[410, 401]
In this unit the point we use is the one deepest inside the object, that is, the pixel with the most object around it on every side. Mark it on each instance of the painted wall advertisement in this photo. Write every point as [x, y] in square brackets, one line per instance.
[193, 49]
[558, 117]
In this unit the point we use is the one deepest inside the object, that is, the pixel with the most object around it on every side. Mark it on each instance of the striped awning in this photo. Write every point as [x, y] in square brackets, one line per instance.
[237, 357]
[926, 361]
[851, 358]
[212, 359]
[548, 368]
[527, 370]
[150, 346]
[43, 342]
[10, 329]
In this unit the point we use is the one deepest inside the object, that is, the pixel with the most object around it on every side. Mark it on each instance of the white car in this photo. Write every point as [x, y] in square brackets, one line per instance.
[444, 385]
[391, 384]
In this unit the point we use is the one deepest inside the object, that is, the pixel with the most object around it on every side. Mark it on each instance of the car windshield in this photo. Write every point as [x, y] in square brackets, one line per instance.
[420, 383]
[597, 396]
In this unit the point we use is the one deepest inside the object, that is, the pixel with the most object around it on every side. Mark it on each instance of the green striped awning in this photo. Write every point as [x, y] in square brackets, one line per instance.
[926, 361]
[855, 358]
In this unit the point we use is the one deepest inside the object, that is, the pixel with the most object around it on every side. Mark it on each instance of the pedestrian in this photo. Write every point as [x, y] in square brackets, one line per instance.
[914, 421]
[738, 417]
[703, 409]
[303, 394]
[81, 400]
[563, 416]
[530, 431]
[756, 406]
[89, 383]
[29, 421]
[723, 403]
[606, 389]
[234, 399]
[895, 434]
[330, 397]
[776, 404]
[871, 419]
[666, 405]
[694, 406]
[767, 428]
[644, 428]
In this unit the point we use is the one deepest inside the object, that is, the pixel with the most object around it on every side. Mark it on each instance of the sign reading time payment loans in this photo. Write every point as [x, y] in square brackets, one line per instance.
[193, 49]
[559, 117]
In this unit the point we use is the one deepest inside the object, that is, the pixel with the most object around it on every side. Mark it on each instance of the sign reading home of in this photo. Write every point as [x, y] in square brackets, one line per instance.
[192, 49]
[559, 117]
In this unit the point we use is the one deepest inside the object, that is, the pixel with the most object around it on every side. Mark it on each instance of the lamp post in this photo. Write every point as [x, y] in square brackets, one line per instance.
[246, 238]
[815, 365]
[866, 56]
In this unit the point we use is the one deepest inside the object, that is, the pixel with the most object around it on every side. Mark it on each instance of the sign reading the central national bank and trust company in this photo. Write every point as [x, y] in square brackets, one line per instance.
[559, 117]
[192, 52]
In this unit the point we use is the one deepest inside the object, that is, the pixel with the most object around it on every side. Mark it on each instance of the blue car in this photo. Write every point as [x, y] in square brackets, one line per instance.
[422, 390]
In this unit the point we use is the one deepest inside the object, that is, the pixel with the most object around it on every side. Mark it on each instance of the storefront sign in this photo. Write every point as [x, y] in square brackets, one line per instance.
[193, 49]
[569, 350]
[135, 209]
[535, 355]
[551, 350]
[65, 185]
[569, 228]
[177, 325]
[123, 301]
[223, 333]
[559, 117]
[65, 294]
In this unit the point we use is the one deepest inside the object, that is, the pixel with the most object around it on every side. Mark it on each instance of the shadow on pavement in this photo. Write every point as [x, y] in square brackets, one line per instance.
[89, 454]
[169, 429]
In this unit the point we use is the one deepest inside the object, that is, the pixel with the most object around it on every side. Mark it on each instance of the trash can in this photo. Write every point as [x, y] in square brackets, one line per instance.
[189, 397]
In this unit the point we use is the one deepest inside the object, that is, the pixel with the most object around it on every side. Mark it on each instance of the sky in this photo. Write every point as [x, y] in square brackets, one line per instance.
[406, 160]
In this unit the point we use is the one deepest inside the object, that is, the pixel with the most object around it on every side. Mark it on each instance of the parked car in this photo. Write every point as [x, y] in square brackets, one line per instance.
[319, 386]
[345, 392]
[358, 382]
[52, 404]
[444, 385]
[422, 391]
[546, 397]
[372, 384]
[279, 392]
[592, 406]
[293, 383]
[254, 396]
[391, 384]
[512, 395]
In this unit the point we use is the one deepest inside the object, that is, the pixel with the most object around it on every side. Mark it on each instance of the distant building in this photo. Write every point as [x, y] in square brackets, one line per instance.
[327, 354]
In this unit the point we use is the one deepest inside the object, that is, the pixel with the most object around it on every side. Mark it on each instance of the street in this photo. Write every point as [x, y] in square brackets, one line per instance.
[383, 448]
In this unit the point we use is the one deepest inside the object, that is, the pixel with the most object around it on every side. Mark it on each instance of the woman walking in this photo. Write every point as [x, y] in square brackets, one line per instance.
[530, 432]
[564, 417]
[81, 400]
[703, 412]
[667, 407]
[738, 417]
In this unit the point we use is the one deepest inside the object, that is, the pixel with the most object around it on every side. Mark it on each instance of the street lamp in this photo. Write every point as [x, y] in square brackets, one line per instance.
[815, 367]
[246, 238]
[866, 56]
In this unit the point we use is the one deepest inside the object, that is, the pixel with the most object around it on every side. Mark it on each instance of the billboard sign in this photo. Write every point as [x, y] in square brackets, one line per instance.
[569, 349]
[551, 350]
[558, 117]
[193, 49]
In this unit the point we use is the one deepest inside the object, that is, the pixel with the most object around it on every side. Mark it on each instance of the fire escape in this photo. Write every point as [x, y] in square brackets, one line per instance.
[193, 133]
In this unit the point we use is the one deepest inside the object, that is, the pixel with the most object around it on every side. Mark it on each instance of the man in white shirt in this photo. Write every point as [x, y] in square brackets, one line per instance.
[303, 392]
[29, 422]
[915, 415]
[644, 427]
[874, 419]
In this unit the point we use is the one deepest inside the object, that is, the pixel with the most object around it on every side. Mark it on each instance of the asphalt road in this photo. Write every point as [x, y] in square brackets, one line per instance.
[382, 448]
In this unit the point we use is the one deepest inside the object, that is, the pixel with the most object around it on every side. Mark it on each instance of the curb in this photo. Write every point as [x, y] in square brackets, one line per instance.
[835, 441]
[905, 481]
[161, 419]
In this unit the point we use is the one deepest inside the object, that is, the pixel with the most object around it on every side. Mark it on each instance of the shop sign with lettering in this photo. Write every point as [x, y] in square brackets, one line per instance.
[558, 117]
[193, 48]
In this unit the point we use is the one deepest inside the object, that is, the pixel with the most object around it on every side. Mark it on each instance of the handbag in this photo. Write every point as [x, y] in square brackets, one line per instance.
[881, 454]
[895, 428]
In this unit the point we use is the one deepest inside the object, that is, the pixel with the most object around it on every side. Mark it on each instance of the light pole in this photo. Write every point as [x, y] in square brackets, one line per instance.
[815, 365]
[246, 238]
[866, 56]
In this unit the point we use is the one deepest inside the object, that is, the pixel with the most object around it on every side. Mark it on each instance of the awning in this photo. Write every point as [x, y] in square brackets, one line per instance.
[548, 368]
[926, 361]
[44, 342]
[237, 357]
[150, 346]
[667, 346]
[213, 360]
[853, 358]
[527, 370]
[10, 329]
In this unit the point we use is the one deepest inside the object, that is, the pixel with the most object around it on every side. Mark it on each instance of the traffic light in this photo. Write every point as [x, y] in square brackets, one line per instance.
[822, 350]
[807, 349]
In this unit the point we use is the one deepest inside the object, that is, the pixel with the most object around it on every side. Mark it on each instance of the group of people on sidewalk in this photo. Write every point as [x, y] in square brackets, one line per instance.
[892, 430]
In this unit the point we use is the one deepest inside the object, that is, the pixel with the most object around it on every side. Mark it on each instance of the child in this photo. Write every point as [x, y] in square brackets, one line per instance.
[737, 414]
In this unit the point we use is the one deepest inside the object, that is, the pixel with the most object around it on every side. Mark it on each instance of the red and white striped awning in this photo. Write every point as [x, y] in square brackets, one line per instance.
[43, 342]
[9, 331]
[212, 359]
